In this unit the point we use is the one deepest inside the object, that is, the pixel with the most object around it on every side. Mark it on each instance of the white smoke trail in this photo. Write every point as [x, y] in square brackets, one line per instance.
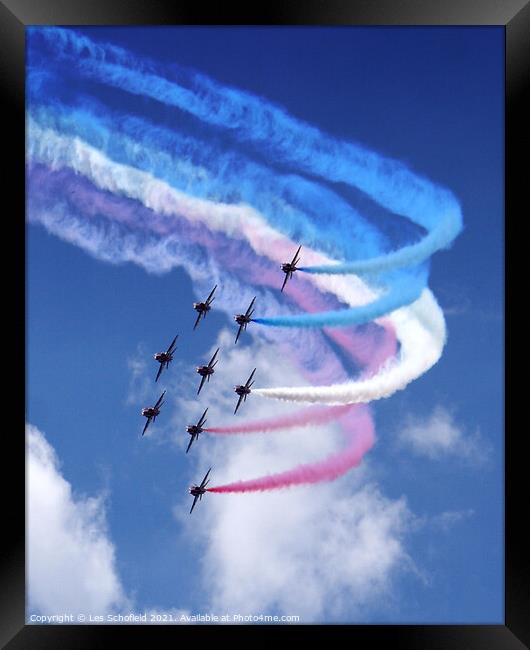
[420, 328]
[240, 221]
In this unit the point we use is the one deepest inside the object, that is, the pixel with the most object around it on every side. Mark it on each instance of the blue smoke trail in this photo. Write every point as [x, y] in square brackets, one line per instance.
[272, 131]
[402, 291]
[289, 141]
[302, 210]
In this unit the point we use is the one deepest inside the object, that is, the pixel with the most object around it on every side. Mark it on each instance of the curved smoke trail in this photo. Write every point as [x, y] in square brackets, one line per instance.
[416, 356]
[421, 331]
[360, 439]
[49, 147]
[285, 139]
[369, 349]
[92, 140]
[176, 188]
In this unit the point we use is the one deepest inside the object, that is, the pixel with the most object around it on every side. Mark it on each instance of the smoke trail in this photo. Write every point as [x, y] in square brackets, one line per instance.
[284, 138]
[420, 329]
[360, 441]
[248, 216]
[98, 133]
[416, 356]
[305, 417]
[402, 292]
[49, 147]
[295, 206]
[369, 348]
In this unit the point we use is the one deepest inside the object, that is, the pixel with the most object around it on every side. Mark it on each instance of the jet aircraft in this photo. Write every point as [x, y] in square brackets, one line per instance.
[290, 267]
[243, 391]
[198, 490]
[196, 429]
[203, 307]
[165, 358]
[244, 319]
[206, 371]
[150, 412]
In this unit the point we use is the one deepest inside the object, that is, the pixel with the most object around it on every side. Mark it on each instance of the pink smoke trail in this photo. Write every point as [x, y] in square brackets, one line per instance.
[360, 440]
[370, 346]
[301, 418]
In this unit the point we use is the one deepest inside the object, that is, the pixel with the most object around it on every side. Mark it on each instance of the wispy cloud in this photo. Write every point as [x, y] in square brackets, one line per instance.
[446, 520]
[438, 435]
[140, 379]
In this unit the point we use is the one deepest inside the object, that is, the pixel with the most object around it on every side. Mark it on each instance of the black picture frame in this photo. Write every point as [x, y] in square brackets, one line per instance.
[514, 16]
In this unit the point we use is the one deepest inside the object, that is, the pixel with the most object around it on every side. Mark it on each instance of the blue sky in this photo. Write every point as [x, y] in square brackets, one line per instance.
[429, 97]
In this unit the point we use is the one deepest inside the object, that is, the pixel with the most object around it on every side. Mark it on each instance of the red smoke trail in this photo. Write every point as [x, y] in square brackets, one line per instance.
[301, 418]
[360, 440]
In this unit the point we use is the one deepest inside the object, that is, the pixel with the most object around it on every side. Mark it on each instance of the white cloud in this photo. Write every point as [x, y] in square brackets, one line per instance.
[318, 552]
[71, 564]
[321, 551]
[446, 520]
[438, 435]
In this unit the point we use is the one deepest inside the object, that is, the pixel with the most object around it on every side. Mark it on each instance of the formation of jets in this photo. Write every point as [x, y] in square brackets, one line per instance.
[242, 390]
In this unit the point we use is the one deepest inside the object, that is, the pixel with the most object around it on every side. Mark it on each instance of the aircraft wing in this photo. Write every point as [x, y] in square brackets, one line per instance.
[238, 403]
[203, 379]
[190, 443]
[198, 319]
[250, 306]
[194, 502]
[238, 333]
[250, 378]
[212, 359]
[170, 348]
[159, 372]
[159, 402]
[287, 275]
[295, 258]
[210, 297]
[203, 419]
[204, 481]
[146, 425]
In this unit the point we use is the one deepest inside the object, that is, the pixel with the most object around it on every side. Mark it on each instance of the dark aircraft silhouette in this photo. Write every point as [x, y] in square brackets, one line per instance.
[290, 267]
[195, 429]
[244, 319]
[164, 358]
[150, 412]
[243, 391]
[198, 490]
[203, 307]
[206, 371]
